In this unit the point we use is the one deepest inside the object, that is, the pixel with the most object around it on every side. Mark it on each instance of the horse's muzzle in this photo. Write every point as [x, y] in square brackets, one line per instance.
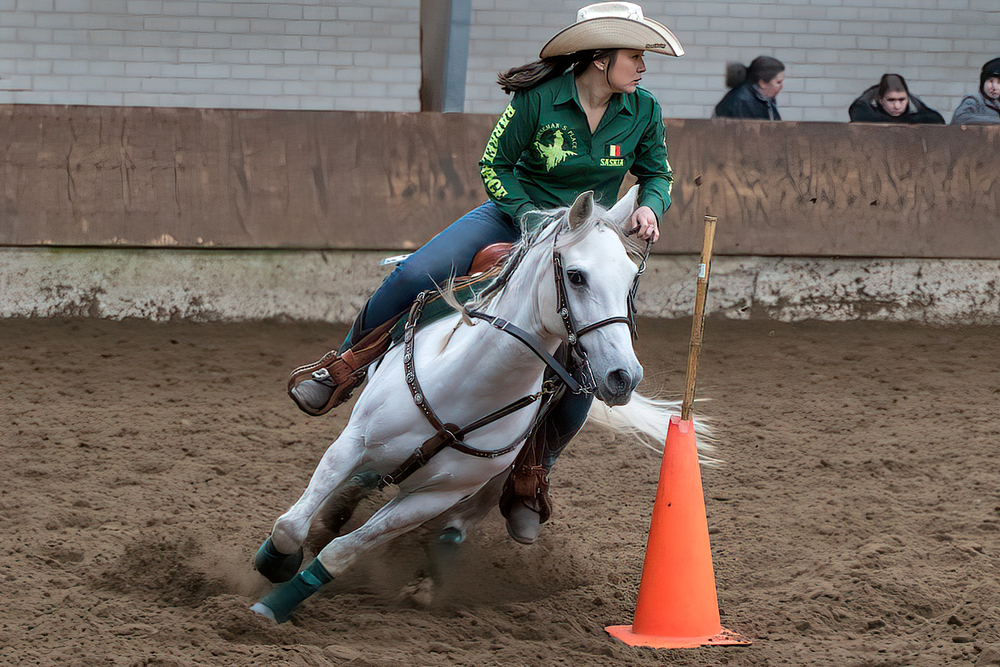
[618, 386]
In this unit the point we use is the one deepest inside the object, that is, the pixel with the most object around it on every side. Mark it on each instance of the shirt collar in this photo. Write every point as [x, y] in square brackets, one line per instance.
[566, 92]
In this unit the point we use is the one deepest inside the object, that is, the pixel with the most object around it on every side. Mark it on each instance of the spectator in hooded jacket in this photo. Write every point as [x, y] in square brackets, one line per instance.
[982, 108]
[890, 101]
[753, 90]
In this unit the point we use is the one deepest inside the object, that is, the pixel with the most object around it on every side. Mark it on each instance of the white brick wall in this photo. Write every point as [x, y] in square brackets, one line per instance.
[277, 54]
[833, 49]
[364, 54]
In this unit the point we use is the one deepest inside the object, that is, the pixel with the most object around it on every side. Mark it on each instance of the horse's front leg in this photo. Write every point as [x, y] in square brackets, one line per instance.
[400, 515]
[280, 556]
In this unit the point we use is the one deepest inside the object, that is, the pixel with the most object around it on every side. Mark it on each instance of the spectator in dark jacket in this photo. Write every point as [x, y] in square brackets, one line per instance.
[753, 90]
[890, 101]
[983, 107]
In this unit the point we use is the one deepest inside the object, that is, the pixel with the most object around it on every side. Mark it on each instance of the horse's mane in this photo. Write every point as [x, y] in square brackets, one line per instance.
[537, 228]
[546, 222]
[644, 418]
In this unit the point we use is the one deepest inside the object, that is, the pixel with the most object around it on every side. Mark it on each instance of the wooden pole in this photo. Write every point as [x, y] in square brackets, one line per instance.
[698, 324]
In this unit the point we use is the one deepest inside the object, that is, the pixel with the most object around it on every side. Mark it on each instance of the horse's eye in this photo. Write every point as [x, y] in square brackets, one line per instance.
[576, 278]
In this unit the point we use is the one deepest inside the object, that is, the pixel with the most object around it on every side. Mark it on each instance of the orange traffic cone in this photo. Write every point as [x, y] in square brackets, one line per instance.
[677, 605]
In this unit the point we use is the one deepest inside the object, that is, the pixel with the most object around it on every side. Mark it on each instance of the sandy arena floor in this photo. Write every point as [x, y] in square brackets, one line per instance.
[856, 521]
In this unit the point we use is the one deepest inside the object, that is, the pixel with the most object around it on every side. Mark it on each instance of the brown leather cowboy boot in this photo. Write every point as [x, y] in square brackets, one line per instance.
[321, 386]
[525, 498]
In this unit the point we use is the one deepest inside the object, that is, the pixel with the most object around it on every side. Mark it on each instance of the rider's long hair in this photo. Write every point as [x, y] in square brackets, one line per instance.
[526, 77]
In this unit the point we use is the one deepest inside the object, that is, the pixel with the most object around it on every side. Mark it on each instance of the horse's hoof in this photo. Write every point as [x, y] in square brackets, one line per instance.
[279, 604]
[276, 566]
[264, 611]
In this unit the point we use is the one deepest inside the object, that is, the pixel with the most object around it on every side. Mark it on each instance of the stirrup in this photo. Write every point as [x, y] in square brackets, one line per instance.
[528, 486]
[340, 373]
[320, 393]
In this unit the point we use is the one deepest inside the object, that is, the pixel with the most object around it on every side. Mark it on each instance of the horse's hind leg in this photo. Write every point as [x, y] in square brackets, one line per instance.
[279, 557]
[398, 516]
[450, 530]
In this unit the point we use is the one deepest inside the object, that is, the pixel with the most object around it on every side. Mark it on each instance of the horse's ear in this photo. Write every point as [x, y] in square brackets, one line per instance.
[621, 211]
[582, 209]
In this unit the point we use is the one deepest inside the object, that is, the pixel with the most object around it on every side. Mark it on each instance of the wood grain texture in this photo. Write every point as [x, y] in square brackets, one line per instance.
[94, 176]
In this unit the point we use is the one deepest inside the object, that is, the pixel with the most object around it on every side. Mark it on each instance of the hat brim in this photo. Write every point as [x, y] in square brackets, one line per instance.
[613, 33]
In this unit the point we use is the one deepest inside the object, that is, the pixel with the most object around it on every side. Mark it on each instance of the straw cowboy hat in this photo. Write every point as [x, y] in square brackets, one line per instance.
[613, 25]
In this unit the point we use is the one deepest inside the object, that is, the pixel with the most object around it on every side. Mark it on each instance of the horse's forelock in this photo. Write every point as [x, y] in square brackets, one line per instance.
[570, 237]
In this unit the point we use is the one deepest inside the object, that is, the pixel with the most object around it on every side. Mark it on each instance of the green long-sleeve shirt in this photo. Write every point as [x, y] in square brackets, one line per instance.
[542, 153]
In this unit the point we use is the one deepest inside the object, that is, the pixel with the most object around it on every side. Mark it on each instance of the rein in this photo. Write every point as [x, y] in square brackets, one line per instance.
[451, 435]
[574, 332]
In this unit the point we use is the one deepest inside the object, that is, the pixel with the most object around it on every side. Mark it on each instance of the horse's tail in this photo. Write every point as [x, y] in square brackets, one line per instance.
[647, 419]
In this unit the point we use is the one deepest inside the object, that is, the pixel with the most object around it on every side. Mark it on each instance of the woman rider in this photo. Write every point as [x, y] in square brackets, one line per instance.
[577, 122]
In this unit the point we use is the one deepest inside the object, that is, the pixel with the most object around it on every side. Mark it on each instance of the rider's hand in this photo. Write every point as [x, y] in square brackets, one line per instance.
[644, 219]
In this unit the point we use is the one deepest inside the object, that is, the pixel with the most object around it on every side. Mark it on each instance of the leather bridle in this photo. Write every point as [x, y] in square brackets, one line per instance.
[451, 435]
[574, 332]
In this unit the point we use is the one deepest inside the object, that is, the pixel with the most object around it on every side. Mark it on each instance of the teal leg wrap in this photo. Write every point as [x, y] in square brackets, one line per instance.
[282, 601]
[443, 552]
[451, 536]
[274, 565]
[367, 480]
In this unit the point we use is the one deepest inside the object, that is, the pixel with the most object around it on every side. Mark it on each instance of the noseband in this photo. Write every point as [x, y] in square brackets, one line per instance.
[574, 332]
[453, 436]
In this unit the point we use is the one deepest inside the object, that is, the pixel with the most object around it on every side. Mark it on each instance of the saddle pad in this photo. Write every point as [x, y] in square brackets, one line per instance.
[435, 308]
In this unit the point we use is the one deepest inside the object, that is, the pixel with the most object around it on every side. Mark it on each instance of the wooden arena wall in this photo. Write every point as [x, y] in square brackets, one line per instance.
[155, 177]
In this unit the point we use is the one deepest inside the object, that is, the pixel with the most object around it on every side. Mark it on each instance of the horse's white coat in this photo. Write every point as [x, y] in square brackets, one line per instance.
[479, 370]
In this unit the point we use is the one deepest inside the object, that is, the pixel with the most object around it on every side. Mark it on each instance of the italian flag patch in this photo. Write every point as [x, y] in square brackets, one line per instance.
[614, 150]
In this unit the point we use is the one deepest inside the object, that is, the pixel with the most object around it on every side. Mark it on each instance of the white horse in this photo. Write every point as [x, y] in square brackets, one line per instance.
[467, 367]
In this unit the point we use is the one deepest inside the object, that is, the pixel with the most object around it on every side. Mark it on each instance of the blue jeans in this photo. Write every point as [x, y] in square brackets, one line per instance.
[451, 253]
[563, 422]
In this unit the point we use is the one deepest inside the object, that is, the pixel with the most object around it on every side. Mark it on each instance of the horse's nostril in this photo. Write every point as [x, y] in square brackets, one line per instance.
[619, 381]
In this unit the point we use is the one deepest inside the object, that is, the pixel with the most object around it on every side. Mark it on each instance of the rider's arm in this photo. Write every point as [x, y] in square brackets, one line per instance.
[651, 167]
[510, 137]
